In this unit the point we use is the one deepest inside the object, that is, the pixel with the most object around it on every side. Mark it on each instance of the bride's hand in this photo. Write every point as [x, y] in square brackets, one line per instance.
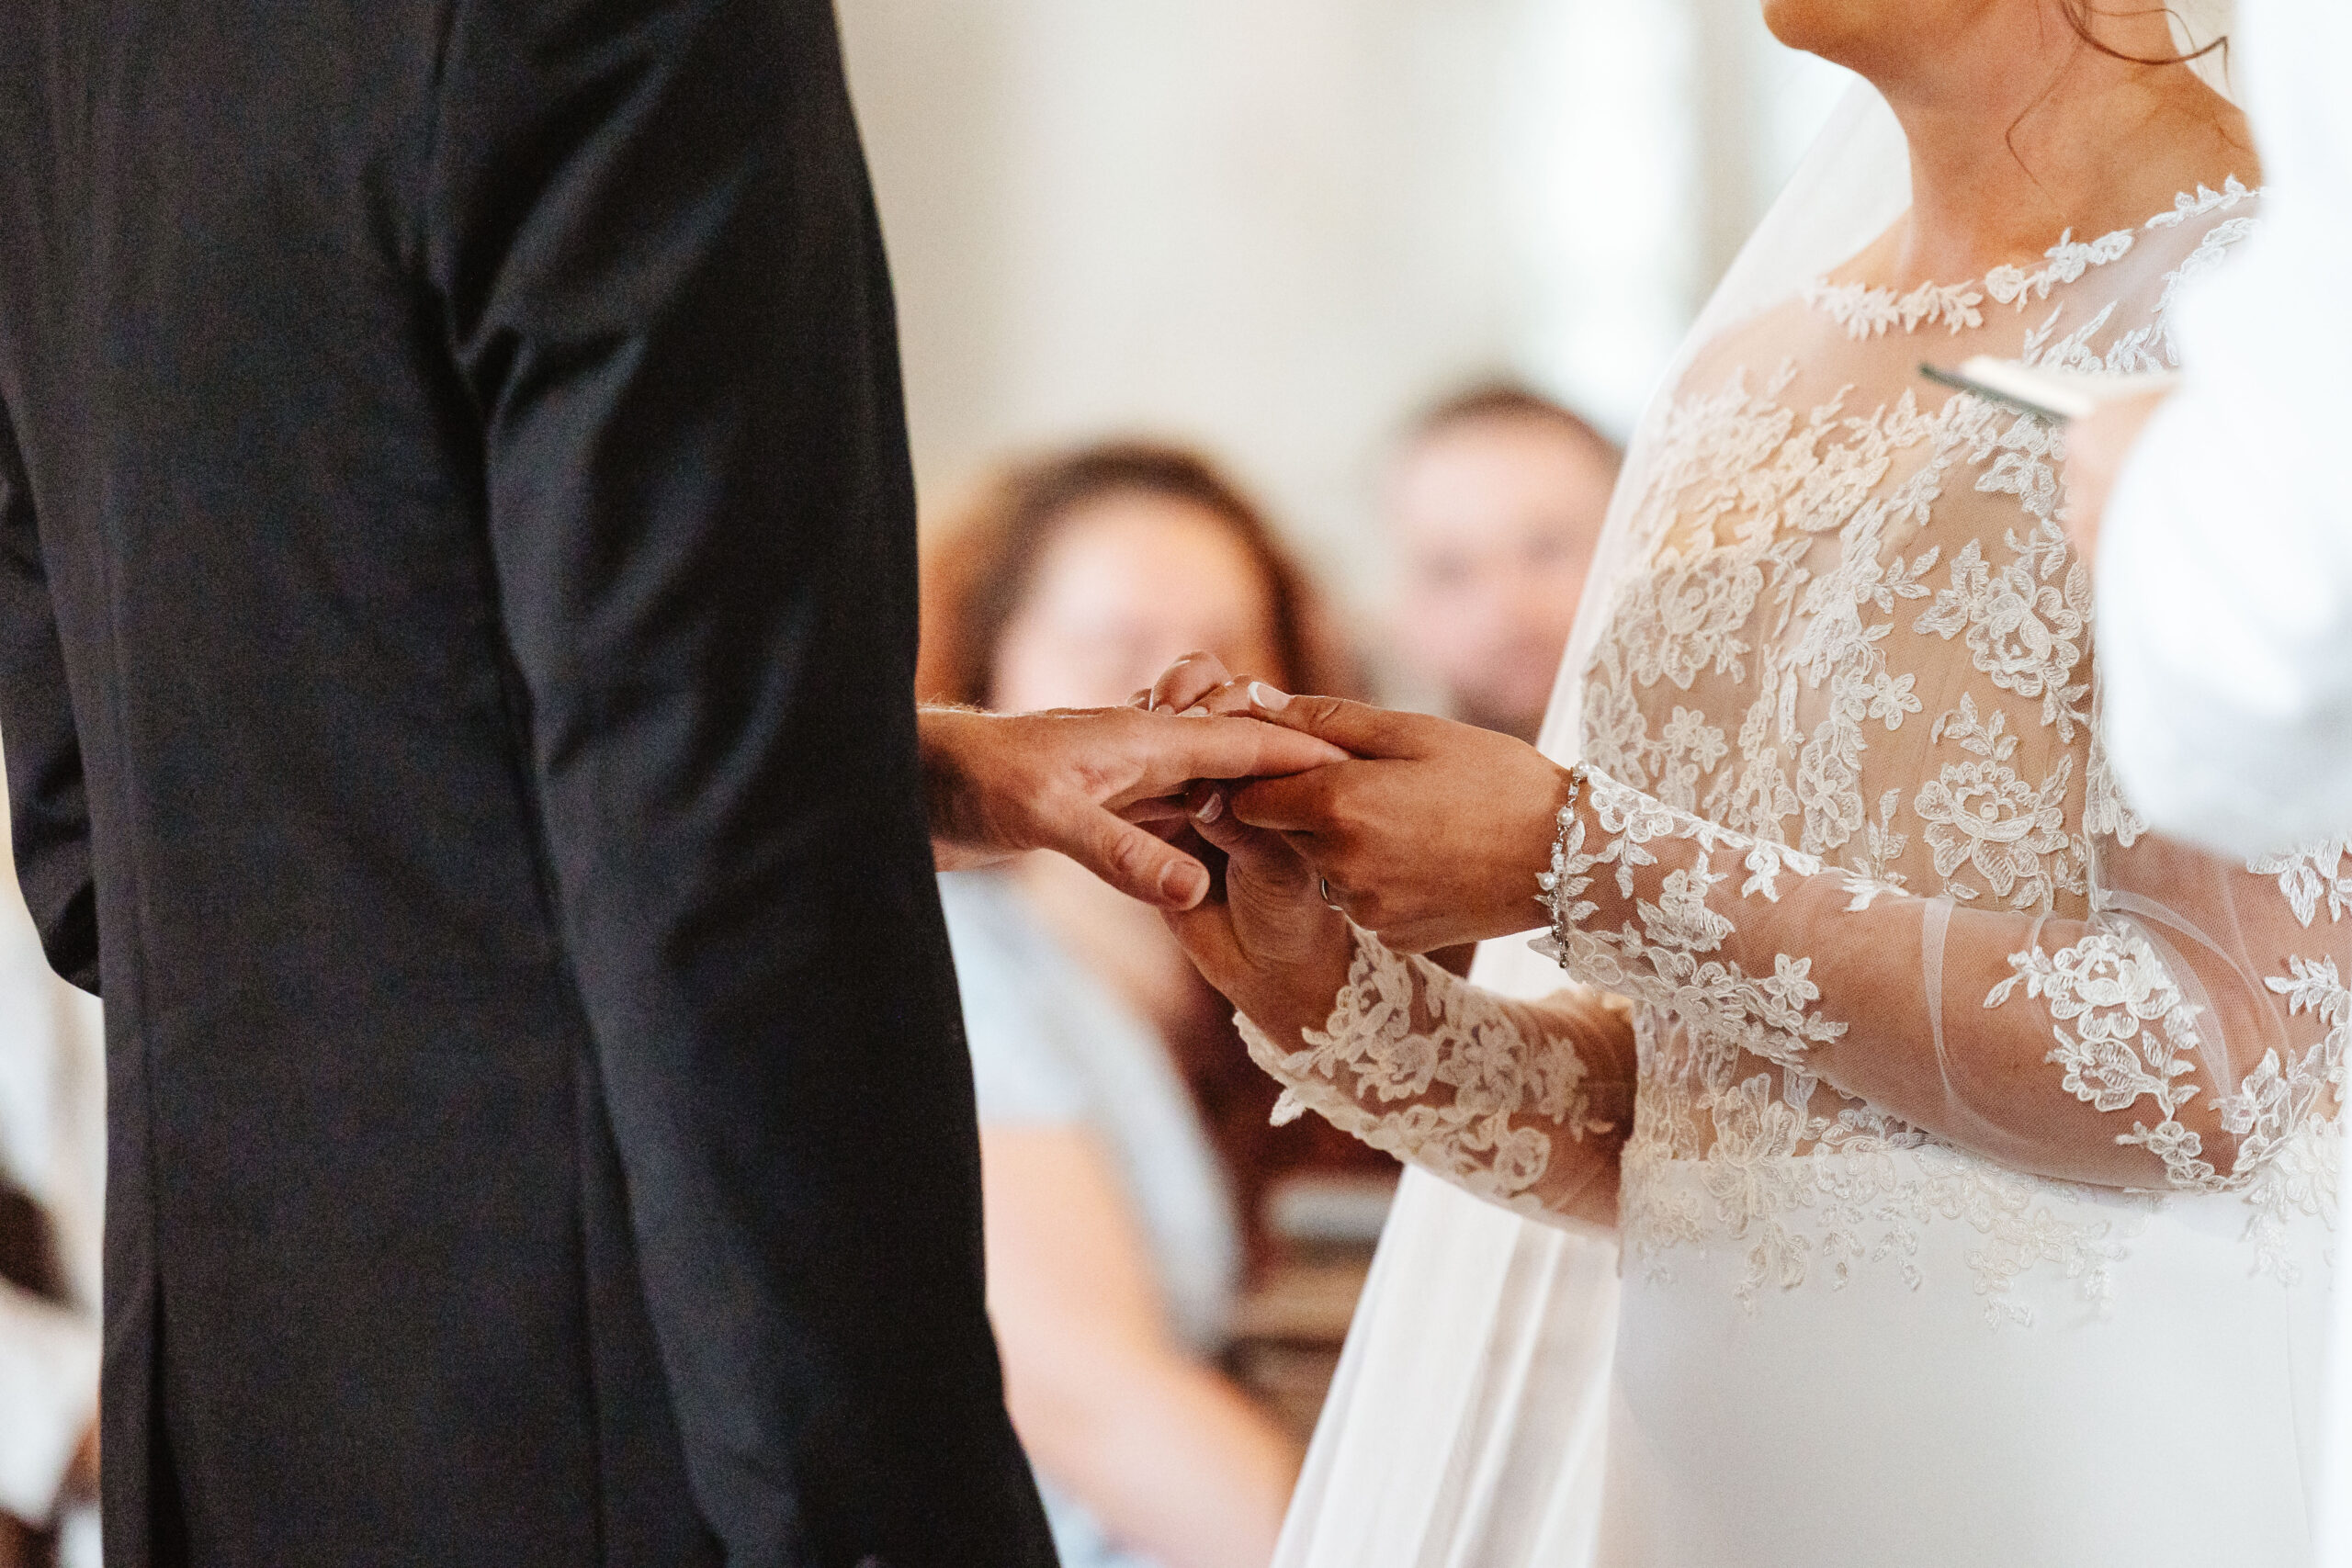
[1434, 833]
[1197, 680]
[1270, 942]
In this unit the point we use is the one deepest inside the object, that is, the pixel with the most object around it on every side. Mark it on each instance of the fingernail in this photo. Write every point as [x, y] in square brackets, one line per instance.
[1163, 707]
[1212, 808]
[1266, 698]
[1181, 882]
[1195, 711]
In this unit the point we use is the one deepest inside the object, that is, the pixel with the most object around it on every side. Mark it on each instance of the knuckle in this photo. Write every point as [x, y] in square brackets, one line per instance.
[1131, 852]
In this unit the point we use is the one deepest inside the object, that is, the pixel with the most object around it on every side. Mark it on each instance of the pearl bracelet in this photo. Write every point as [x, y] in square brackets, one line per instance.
[1549, 881]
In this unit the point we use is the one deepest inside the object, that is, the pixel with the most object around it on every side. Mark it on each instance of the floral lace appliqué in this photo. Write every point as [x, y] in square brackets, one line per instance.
[1867, 311]
[1436, 1072]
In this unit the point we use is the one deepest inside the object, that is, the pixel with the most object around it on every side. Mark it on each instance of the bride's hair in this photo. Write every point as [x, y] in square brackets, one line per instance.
[2081, 13]
[980, 567]
[2081, 16]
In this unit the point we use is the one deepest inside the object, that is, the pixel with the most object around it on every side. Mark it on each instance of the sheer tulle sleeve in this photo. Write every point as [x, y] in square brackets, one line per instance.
[1524, 1103]
[2178, 1037]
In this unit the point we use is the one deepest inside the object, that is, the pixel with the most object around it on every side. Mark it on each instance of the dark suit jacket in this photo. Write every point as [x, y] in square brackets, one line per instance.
[457, 629]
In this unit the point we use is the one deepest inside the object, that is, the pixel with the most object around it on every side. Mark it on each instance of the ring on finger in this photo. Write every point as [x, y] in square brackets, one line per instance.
[1323, 885]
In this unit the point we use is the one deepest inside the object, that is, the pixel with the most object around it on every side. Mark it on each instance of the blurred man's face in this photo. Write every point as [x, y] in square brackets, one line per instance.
[1495, 521]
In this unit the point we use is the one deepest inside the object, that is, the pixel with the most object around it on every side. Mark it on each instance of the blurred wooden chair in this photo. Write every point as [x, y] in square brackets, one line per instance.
[1289, 1328]
[28, 1260]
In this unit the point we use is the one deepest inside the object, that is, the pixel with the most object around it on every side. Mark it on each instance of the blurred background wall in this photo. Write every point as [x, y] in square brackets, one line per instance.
[1277, 228]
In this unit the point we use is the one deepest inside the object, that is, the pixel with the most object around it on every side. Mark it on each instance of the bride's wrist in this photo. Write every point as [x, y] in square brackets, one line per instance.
[1517, 898]
[1564, 878]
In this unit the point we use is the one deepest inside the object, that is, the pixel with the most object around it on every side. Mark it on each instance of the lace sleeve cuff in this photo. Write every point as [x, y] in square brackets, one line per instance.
[1654, 934]
[1450, 1078]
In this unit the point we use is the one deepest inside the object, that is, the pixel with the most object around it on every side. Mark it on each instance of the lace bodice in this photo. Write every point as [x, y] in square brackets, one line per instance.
[1850, 845]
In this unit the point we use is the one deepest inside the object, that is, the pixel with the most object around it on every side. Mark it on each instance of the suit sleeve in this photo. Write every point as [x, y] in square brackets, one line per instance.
[649, 225]
[48, 807]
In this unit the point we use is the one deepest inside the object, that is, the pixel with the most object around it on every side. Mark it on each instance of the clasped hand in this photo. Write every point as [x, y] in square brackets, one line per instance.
[1079, 781]
[1424, 831]
[1428, 833]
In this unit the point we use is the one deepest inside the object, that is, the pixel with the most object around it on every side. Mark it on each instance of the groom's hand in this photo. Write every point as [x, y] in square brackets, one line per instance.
[1270, 944]
[1003, 783]
[1432, 834]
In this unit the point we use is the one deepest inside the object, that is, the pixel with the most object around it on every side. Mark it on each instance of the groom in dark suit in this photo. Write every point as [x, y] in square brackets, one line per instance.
[456, 624]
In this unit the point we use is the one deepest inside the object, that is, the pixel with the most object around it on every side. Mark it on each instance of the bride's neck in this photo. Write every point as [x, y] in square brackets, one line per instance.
[2013, 139]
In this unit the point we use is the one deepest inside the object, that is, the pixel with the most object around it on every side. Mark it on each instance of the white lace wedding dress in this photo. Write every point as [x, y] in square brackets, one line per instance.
[1975, 1161]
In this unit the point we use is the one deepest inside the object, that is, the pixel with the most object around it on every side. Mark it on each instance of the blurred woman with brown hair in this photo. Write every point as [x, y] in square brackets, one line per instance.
[1114, 1247]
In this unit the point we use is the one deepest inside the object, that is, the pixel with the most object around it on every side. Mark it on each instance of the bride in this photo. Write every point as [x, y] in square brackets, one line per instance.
[1968, 1143]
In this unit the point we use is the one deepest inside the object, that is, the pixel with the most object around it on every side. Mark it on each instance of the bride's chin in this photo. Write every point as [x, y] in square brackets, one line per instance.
[1838, 30]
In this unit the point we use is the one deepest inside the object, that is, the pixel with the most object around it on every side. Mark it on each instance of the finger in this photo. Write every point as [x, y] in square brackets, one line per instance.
[1228, 701]
[1141, 699]
[1170, 823]
[1154, 809]
[1170, 830]
[1358, 728]
[1134, 861]
[1205, 807]
[1205, 933]
[1251, 850]
[1187, 681]
[1170, 752]
[1299, 804]
[1294, 813]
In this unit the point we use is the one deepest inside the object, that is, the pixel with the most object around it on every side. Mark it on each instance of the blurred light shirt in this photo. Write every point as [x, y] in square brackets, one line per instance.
[2226, 553]
[1053, 1046]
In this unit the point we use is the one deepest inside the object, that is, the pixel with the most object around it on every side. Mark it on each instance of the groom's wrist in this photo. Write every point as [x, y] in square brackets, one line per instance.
[947, 739]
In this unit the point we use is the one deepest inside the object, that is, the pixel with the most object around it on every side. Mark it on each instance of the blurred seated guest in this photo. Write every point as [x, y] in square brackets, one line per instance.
[1495, 501]
[1114, 1249]
[53, 1174]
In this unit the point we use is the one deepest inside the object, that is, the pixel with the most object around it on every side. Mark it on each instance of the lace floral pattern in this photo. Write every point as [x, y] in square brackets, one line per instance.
[2312, 877]
[1901, 955]
[2125, 1034]
[1869, 313]
[1664, 955]
[1443, 1075]
[1792, 1218]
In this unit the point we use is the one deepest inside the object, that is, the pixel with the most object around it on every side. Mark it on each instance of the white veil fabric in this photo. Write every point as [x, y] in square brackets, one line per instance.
[1467, 1426]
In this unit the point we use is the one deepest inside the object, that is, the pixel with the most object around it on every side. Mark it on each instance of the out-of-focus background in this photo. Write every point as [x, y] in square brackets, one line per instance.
[1277, 227]
[1302, 330]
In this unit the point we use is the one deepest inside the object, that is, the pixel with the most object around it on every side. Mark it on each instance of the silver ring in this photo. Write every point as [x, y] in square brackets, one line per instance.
[1323, 884]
